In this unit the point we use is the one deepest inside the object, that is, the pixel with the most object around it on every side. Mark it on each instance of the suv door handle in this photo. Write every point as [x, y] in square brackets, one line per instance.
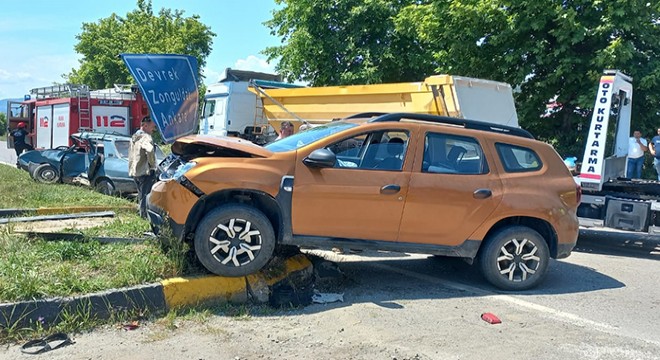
[390, 189]
[482, 193]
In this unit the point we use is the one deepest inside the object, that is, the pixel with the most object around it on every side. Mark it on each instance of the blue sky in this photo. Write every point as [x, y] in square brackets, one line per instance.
[37, 37]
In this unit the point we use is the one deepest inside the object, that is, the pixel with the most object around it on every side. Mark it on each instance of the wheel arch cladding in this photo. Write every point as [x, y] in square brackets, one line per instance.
[258, 199]
[539, 225]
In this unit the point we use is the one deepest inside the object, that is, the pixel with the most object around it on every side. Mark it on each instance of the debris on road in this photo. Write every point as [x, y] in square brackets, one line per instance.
[130, 326]
[490, 318]
[325, 298]
[50, 342]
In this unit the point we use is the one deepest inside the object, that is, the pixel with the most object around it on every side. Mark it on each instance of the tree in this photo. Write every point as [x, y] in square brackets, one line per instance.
[549, 50]
[344, 42]
[140, 31]
[3, 123]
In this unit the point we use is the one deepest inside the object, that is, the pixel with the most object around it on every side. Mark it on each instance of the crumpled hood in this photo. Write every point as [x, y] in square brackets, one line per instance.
[211, 146]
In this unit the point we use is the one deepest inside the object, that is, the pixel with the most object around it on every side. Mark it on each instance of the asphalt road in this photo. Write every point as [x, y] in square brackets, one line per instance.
[7, 156]
[603, 302]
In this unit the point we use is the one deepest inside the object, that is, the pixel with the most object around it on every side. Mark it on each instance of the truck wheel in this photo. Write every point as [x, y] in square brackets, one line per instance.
[46, 174]
[514, 258]
[234, 240]
[105, 187]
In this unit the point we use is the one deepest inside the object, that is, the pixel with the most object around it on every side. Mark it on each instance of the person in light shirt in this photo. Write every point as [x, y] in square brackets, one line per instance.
[654, 149]
[637, 146]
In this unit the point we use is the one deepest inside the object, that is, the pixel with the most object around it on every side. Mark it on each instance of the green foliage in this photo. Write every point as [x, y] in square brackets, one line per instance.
[3, 124]
[140, 31]
[546, 49]
[344, 42]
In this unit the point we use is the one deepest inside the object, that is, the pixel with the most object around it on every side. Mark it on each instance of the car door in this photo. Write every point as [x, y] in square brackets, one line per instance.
[74, 162]
[361, 197]
[453, 189]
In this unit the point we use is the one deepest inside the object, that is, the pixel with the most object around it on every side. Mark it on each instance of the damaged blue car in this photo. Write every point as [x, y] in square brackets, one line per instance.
[97, 160]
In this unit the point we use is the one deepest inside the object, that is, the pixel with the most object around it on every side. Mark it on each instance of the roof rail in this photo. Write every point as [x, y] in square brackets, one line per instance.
[468, 124]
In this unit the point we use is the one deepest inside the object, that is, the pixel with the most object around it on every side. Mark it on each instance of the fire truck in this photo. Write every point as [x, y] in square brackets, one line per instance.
[53, 113]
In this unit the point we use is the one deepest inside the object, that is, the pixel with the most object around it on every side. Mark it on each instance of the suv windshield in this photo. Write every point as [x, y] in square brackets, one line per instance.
[296, 141]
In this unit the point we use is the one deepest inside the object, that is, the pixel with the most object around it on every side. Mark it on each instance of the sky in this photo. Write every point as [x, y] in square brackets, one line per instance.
[37, 39]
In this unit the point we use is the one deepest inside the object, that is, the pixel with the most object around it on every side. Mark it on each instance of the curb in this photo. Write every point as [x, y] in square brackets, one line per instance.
[174, 293]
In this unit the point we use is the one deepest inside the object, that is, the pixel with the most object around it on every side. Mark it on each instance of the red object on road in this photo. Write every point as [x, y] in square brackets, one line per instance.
[490, 318]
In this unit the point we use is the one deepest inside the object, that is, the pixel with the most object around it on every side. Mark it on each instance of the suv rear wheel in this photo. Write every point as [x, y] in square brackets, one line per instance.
[514, 258]
[234, 240]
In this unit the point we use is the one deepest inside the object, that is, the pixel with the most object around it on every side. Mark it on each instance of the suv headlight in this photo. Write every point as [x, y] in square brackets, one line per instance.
[182, 169]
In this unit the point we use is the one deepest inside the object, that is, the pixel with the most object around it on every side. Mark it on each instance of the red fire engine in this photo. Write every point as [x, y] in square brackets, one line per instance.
[53, 113]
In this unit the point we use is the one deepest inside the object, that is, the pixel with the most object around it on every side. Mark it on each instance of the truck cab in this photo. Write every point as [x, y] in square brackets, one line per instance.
[231, 109]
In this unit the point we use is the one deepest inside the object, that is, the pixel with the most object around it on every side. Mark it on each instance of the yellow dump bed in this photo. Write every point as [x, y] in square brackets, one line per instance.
[447, 95]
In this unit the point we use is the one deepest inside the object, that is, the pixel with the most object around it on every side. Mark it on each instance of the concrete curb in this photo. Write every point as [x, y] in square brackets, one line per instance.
[154, 298]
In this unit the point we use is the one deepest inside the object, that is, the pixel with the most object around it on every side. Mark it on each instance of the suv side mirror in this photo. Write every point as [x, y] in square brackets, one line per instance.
[321, 158]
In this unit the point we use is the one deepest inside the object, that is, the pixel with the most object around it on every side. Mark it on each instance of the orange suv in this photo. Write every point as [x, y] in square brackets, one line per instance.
[396, 182]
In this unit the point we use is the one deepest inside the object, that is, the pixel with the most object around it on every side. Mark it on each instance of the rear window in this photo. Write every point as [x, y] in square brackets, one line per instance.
[517, 158]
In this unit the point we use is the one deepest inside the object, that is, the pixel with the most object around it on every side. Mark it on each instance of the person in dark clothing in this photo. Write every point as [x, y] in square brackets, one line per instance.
[20, 139]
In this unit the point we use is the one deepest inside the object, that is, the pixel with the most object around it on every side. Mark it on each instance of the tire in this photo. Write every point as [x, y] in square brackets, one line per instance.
[218, 249]
[514, 258]
[46, 174]
[105, 187]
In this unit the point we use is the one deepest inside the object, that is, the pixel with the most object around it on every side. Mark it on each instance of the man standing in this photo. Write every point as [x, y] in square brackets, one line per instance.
[654, 148]
[636, 148]
[142, 161]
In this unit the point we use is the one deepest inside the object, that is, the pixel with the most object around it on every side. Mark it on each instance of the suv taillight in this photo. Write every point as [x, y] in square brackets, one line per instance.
[578, 193]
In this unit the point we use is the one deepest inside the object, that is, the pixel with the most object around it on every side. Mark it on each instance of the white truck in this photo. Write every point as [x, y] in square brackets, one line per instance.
[230, 109]
[609, 199]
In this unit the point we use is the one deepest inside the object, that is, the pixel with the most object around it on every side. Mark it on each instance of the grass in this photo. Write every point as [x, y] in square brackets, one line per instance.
[20, 191]
[35, 268]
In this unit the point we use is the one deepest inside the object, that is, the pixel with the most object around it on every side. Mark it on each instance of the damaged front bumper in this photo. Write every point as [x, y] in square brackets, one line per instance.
[168, 206]
[161, 224]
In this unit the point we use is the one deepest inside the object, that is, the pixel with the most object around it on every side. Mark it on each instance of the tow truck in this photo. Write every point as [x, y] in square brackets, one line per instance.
[609, 199]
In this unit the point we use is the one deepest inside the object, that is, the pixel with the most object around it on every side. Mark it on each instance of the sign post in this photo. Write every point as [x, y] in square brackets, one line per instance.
[169, 85]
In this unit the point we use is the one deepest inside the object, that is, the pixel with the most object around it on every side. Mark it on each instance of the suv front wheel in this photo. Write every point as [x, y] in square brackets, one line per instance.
[234, 240]
[514, 258]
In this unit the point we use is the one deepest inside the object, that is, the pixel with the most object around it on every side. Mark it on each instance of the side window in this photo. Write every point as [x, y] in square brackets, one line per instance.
[122, 148]
[450, 154]
[380, 150]
[518, 158]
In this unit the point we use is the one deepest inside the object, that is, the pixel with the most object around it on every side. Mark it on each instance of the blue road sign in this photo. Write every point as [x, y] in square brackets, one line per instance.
[169, 85]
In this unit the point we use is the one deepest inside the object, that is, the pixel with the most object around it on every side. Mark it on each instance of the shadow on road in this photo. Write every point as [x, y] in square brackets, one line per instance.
[387, 281]
[614, 243]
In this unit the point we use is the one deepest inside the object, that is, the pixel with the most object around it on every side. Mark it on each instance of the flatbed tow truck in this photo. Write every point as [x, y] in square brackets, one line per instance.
[609, 199]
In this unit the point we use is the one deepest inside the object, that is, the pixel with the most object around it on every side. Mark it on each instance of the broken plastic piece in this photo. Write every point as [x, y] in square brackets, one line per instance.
[490, 318]
[131, 326]
[324, 298]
